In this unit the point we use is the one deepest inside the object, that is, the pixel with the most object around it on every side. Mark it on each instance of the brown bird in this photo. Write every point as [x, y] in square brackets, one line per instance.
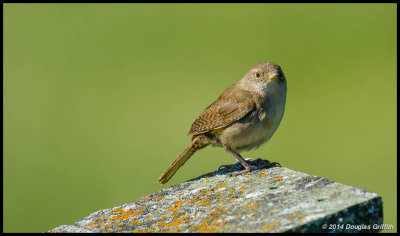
[243, 117]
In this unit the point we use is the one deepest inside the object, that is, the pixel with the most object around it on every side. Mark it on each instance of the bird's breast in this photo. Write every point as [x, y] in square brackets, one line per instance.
[257, 127]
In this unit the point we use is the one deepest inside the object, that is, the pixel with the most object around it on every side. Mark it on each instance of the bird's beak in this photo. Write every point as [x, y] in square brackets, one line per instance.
[272, 76]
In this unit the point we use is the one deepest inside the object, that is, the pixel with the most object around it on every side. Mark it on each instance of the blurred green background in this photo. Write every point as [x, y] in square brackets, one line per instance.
[98, 98]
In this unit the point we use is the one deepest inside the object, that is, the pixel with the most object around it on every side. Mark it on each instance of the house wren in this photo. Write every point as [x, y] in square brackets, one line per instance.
[243, 117]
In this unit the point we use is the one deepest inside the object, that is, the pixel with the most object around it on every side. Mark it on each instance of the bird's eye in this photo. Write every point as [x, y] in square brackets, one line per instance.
[258, 75]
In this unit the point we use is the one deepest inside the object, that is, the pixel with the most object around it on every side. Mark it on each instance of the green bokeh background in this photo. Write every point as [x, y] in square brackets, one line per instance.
[98, 98]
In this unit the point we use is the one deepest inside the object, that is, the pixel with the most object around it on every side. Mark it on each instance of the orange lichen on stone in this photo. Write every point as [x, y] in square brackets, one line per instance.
[185, 217]
[157, 197]
[205, 228]
[161, 222]
[208, 230]
[188, 202]
[171, 231]
[262, 174]
[243, 188]
[206, 180]
[175, 214]
[133, 213]
[138, 202]
[232, 196]
[277, 179]
[251, 203]
[148, 230]
[209, 191]
[267, 227]
[125, 215]
[203, 203]
[119, 209]
[175, 207]
[302, 217]
[213, 223]
[216, 212]
[210, 225]
[197, 197]
[220, 185]
[174, 223]
[135, 222]
[91, 224]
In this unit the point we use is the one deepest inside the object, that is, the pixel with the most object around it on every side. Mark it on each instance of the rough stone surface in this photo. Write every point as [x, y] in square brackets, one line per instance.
[274, 199]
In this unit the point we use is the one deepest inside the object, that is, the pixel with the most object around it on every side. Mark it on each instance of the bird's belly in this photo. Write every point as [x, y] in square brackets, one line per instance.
[251, 132]
[245, 136]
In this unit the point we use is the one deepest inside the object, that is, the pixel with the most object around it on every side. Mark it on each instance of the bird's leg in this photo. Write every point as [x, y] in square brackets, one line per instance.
[247, 168]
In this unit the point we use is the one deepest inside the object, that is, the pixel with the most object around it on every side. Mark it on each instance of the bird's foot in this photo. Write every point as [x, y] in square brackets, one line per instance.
[245, 171]
[252, 165]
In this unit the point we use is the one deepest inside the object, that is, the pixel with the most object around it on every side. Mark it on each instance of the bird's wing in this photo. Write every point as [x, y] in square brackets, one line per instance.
[225, 110]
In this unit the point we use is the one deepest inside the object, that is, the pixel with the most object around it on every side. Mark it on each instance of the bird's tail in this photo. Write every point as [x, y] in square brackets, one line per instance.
[196, 144]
